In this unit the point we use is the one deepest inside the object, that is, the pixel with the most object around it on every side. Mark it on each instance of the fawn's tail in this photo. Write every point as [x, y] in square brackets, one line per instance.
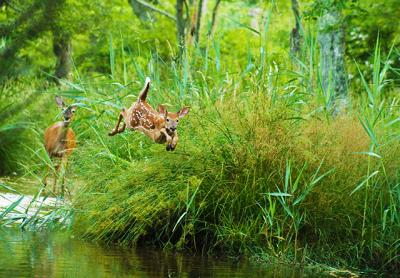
[143, 93]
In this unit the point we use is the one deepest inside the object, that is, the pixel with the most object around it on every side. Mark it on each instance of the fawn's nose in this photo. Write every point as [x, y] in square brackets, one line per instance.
[173, 128]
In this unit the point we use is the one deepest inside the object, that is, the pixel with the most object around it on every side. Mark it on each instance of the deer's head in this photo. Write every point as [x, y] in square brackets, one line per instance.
[172, 119]
[67, 111]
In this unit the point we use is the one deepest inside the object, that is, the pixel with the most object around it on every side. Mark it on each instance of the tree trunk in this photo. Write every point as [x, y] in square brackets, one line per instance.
[198, 22]
[62, 49]
[214, 18]
[331, 38]
[180, 26]
[295, 37]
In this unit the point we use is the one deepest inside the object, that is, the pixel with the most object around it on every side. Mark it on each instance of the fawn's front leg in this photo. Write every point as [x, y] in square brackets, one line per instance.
[168, 138]
[172, 145]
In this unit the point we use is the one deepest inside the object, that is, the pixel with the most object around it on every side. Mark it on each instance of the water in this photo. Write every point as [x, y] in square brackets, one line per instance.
[28, 254]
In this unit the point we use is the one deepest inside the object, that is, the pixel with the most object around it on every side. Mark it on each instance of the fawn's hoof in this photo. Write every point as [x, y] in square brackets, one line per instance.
[170, 147]
[112, 133]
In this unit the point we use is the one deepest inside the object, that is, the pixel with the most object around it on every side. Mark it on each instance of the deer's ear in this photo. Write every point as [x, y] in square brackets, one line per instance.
[60, 102]
[161, 109]
[183, 112]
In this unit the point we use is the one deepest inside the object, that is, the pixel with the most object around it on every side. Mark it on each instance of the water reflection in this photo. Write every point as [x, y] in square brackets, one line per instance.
[58, 255]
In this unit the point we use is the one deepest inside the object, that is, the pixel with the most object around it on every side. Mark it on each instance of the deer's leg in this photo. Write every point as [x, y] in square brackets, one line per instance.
[174, 142]
[122, 128]
[63, 164]
[46, 174]
[123, 113]
[168, 138]
[56, 175]
[116, 128]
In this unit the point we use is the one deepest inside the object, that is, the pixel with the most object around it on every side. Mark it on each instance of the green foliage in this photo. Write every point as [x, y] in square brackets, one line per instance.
[376, 21]
[247, 174]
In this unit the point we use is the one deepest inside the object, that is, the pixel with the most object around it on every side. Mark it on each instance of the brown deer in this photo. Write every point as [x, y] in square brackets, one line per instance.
[159, 126]
[59, 139]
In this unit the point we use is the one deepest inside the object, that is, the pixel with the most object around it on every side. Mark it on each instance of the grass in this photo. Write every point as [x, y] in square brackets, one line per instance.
[241, 181]
[261, 166]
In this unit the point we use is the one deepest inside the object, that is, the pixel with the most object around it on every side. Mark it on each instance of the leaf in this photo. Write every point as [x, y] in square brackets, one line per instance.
[245, 26]
[179, 220]
[279, 194]
[311, 185]
[361, 184]
[393, 122]
[368, 129]
[369, 154]
[11, 207]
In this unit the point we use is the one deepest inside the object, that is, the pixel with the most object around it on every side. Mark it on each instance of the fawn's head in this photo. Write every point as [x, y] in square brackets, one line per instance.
[67, 111]
[172, 119]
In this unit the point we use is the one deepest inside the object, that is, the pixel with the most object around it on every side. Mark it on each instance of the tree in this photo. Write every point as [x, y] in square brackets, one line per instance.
[295, 36]
[29, 24]
[62, 48]
[196, 20]
[331, 38]
[181, 24]
[214, 18]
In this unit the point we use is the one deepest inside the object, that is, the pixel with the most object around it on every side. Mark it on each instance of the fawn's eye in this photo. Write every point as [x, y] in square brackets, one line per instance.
[167, 120]
[177, 121]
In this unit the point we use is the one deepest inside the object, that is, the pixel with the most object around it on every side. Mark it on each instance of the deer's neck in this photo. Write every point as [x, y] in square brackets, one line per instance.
[63, 130]
[65, 124]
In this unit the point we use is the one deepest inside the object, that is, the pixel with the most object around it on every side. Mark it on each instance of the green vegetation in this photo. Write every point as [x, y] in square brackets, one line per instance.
[266, 165]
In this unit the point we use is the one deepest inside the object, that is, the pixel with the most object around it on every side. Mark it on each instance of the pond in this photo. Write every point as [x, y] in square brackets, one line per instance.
[58, 254]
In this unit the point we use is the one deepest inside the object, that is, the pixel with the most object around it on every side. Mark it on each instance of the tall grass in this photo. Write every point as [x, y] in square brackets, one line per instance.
[260, 167]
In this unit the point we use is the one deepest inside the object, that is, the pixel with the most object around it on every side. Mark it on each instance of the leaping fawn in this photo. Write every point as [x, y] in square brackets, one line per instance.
[59, 139]
[159, 126]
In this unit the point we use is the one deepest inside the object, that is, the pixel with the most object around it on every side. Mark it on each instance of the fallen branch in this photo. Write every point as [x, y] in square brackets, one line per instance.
[153, 8]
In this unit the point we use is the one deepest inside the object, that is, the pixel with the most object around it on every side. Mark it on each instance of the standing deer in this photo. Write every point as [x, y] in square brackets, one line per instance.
[59, 139]
[159, 126]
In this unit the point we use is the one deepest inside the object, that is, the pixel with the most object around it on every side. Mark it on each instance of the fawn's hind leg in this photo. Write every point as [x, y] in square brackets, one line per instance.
[117, 129]
[122, 128]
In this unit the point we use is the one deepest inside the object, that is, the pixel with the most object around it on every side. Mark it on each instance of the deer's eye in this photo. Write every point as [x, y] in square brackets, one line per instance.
[167, 120]
[177, 121]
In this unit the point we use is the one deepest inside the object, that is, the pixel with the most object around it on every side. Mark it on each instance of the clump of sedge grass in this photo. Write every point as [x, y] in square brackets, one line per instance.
[245, 176]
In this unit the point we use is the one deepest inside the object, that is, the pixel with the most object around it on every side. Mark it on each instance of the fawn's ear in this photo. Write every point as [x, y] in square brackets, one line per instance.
[60, 102]
[183, 112]
[162, 110]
